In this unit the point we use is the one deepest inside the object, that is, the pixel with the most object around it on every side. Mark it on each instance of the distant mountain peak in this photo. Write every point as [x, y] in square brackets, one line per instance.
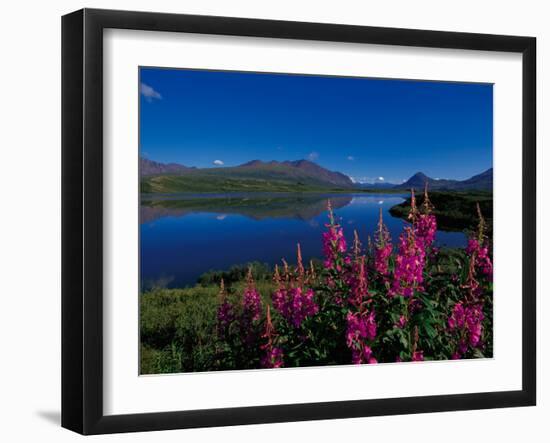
[151, 167]
[483, 181]
[420, 174]
[304, 167]
[252, 163]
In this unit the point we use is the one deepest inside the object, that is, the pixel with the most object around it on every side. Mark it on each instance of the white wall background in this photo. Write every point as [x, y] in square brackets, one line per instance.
[30, 89]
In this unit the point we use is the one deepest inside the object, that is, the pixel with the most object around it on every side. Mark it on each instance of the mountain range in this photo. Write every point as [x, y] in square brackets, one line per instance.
[256, 175]
[149, 167]
[418, 181]
[280, 176]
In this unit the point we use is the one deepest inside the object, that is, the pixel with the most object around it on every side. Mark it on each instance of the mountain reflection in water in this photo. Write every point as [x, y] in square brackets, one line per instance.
[184, 236]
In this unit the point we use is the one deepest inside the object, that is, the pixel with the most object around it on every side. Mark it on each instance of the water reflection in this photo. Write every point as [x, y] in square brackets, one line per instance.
[183, 236]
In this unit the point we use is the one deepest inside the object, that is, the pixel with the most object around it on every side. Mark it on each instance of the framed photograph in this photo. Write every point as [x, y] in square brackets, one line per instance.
[268, 221]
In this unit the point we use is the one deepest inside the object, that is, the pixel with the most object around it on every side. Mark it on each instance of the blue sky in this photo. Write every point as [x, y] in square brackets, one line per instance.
[365, 128]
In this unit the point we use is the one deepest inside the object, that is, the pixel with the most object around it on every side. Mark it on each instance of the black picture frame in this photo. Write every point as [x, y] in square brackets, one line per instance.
[82, 218]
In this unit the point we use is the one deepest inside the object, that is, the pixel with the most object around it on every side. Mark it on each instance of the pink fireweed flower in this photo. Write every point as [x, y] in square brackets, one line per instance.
[302, 305]
[468, 322]
[474, 319]
[401, 323]
[251, 299]
[472, 284]
[357, 246]
[478, 247]
[480, 254]
[300, 271]
[334, 243]
[291, 299]
[295, 304]
[409, 265]
[425, 230]
[273, 356]
[226, 312]
[413, 213]
[417, 356]
[362, 355]
[357, 281]
[457, 318]
[361, 327]
[424, 223]
[382, 247]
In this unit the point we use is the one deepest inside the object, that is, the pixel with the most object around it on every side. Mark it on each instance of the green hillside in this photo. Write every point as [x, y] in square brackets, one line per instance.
[252, 177]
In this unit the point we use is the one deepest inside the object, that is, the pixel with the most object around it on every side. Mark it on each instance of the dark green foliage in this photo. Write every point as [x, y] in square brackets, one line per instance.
[455, 211]
[260, 272]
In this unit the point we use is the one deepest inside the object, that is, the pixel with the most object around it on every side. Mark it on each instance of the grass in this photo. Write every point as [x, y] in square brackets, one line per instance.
[210, 182]
[178, 326]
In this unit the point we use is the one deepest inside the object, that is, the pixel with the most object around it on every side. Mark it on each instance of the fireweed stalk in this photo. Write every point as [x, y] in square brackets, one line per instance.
[251, 308]
[424, 223]
[226, 312]
[466, 319]
[408, 274]
[382, 247]
[334, 243]
[414, 245]
[252, 302]
[478, 246]
[273, 355]
[291, 298]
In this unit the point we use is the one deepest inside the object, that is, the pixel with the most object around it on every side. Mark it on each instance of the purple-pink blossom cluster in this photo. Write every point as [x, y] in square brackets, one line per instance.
[252, 302]
[225, 314]
[480, 252]
[409, 265]
[425, 229]
[334, 244]
[382, 248]
[468, 321]
[291, 298]
[401, 322]
[295, 304]
[273, 355]
[361, 328]
[357, 281]
[273, 358]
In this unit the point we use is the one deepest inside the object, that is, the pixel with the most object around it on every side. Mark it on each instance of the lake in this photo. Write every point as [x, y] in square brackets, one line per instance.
[183, 236]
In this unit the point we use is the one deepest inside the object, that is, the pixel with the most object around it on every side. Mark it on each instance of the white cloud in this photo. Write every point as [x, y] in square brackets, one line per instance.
[149, 93]
[313, 156]
[218, 162]
[350, 158]
[381, 179]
